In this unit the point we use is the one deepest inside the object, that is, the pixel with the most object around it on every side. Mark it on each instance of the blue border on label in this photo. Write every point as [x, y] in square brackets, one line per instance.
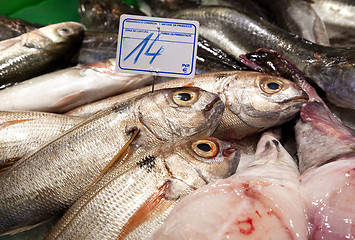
[140, 70]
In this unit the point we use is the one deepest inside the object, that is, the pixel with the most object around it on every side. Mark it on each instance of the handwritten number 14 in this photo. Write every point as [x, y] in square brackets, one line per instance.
[141, 46]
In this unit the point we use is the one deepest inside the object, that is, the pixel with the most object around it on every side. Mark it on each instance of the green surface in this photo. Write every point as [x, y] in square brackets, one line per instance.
[48, 12]
[45, 11]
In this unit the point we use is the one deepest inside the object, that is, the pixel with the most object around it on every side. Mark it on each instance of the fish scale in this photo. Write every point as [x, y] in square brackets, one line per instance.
[132, 200]
[49, 180]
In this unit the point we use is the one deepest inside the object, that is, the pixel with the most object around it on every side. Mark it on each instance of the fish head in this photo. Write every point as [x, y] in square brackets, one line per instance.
[202, 160]
[336, 77]
[54, 36]
[261, 100]
[179, 113]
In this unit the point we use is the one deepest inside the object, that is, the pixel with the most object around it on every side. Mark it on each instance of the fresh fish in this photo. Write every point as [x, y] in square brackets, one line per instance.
[132, 202]
[254, 101]
[13, 27]
[23, 132]
[298, 17]
[65, 89]
[332, 69]
[49, 180]
[38, 52]
[103, 15]
[261, 200]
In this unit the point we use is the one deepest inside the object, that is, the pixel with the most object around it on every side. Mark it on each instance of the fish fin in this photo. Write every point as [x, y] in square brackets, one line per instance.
[67, 100]
[8, 164]
[115, 159]
[157, 203]
[12, 122]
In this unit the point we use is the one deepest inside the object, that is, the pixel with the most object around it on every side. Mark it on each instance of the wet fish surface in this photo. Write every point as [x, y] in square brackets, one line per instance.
[254, 101]
[261, 200]
[23, 132]
[38, 52]
[131, 202]
[332, 69]
[49, 180]
[63, 90]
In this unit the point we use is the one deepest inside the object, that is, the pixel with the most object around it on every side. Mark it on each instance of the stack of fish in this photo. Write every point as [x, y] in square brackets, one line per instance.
[193, 159]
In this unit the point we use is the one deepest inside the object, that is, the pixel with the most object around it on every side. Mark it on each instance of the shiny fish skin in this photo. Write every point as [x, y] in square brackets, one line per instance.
[332, 69]
[107, 209]
[49, 180]
[38, 51]
[65, 89]
[248, 108]
[261, 200]
[23, 132]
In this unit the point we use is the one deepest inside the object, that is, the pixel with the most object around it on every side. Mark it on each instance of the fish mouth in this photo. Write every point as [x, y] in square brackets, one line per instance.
[211, 104]
[303, 98]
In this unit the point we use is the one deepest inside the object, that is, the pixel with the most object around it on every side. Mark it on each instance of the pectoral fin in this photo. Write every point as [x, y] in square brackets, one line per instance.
[122, 152]
[156, 204]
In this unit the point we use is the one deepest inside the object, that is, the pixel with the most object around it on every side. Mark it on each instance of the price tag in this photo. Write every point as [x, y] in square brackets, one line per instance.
[158, 46]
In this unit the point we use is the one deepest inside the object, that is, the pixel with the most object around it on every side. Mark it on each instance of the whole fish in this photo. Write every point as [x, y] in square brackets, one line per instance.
[261, 200]
[38, 51]
[132, 202]
[23, 132]
[13, 27]
[49, 180]
[103, 15]
[63, 90]
[254, 101]
[332, 69]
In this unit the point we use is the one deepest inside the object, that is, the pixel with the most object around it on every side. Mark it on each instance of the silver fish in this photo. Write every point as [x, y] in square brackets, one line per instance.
[38, 51]
[261, 200]
[46, 182]
[65, 89]
[23, 132]
[332, 69]
[254, 101]
[132, 202]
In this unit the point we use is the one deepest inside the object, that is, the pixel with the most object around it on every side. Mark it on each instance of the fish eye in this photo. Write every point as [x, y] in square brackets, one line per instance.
[65, 31]
[184, 98]
[271, 86]
[206, 148]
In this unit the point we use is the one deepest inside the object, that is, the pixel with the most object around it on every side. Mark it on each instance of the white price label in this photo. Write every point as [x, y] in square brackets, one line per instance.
[158, 46]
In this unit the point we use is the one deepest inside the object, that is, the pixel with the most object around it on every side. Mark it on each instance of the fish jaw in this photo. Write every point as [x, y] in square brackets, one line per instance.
[328, 193]
[320, 136]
